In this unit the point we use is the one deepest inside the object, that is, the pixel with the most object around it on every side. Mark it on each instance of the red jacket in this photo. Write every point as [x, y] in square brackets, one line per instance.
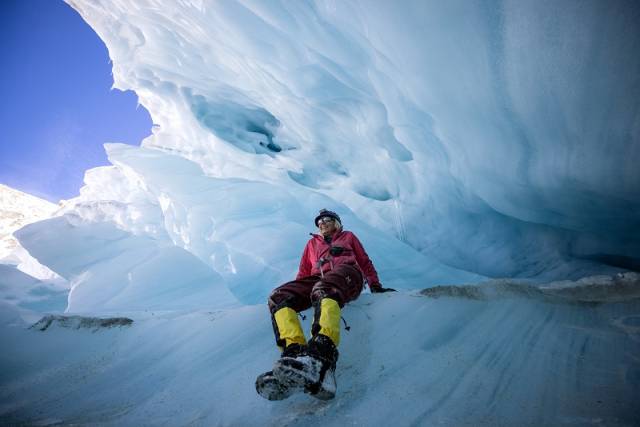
[352, 253]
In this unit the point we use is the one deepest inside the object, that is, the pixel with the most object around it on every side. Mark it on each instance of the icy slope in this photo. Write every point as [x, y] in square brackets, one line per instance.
[501, 138]
[509, 358]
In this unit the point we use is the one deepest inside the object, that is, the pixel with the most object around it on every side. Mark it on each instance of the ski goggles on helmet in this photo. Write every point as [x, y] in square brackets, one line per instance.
[325, 219]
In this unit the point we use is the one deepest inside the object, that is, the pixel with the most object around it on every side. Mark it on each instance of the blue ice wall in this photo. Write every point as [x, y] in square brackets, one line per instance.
[500, 137]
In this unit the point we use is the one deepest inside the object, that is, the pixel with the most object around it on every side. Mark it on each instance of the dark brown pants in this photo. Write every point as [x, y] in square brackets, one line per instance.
[343, 284]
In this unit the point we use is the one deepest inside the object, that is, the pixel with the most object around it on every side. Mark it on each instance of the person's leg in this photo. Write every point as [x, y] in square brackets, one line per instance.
[315, 369]
[284, 304]
[338, 287]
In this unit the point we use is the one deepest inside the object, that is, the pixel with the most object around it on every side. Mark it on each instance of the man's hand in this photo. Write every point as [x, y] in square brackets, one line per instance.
[376, 288]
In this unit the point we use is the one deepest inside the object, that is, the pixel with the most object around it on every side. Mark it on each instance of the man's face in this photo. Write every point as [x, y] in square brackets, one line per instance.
[327, 225]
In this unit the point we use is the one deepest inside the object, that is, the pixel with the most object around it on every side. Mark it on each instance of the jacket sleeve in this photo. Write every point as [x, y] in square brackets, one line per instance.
[304, 269]
[364, 262]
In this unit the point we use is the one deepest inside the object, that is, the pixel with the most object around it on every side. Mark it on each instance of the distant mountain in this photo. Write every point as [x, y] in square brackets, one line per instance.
[18, 209]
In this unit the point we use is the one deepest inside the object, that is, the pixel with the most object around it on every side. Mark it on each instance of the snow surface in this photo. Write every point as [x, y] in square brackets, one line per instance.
[506, 360]
[459, 140]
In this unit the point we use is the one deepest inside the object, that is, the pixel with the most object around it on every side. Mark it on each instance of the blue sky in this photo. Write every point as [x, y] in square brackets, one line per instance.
[58, 107]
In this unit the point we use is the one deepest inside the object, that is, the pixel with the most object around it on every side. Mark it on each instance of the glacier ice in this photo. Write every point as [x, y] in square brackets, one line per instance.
[460, 140]
[499, 138]
[427, 122]
[241, 236]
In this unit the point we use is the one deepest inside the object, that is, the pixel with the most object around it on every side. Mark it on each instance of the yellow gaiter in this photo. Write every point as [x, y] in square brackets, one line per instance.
[289, 328]
[329, 321]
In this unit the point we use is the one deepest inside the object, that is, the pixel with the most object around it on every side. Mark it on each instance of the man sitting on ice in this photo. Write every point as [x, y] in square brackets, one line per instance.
[332, 271]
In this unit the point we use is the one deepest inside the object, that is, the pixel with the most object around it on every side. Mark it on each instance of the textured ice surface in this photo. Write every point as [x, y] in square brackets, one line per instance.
[501, 138]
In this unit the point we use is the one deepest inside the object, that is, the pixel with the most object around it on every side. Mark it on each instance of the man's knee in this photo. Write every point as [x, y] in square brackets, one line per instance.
[278, 299]
[323, 290]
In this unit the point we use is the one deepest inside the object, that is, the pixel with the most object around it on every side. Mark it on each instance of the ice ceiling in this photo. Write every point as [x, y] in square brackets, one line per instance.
[497, 137]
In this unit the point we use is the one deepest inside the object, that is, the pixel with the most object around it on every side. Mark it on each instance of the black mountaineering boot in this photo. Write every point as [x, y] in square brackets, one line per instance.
[322, 348]
[313, 370]
[270, 387]
[294, 350]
